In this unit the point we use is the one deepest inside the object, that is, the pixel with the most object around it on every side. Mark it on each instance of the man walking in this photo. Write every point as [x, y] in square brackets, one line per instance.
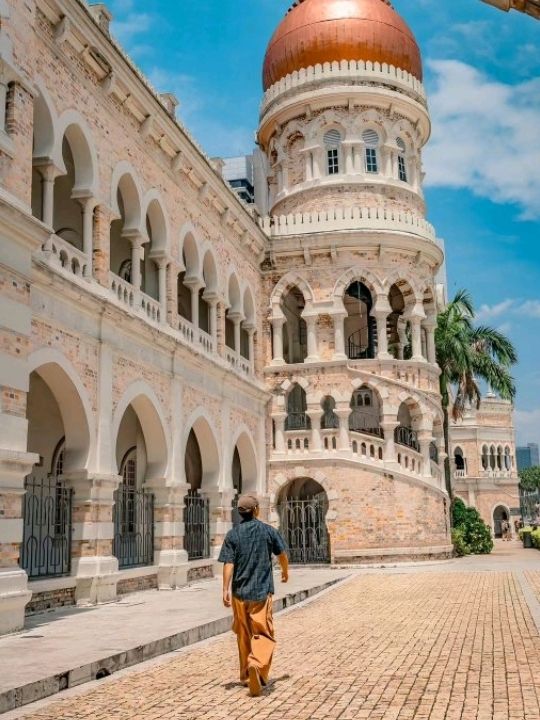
[248, 585]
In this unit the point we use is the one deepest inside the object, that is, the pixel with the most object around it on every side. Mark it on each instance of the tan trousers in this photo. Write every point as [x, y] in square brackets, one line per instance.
[254, 627]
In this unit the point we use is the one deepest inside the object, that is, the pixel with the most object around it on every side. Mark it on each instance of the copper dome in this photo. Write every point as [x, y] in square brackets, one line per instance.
[319, 31]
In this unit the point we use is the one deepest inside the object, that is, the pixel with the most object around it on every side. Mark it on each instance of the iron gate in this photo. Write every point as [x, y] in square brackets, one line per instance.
[197, 526]
[133, 517]
[46, 546]
[304, 530]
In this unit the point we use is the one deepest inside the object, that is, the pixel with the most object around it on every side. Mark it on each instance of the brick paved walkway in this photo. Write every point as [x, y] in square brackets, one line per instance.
[533, 578]
[443, 646]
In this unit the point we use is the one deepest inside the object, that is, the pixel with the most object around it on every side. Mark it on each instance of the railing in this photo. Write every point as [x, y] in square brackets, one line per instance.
[151, 307]
[351, 218]
[348, 70]
[496, 473]
[46, 546]
[330, 439]
[410, 461]
[407, 437]
[238, 362]
[359, 423]
[434, 453]
[206, 341]
[122, 290]
[460, 474]
[186, 329]
[298, 442]
[197, 526]
[357, 351]
[66, 256]
[368, 450]
[297, 421]
[133, 519]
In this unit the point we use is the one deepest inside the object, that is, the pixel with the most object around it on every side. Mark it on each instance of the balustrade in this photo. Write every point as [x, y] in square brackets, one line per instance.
[151, 307]
[65, 256]
[123, 291]
[410, 461]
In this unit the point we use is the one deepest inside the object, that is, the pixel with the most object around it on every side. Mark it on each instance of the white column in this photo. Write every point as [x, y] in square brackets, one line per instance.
[402, 333]
[312, 348]
[251, 335]
[277, 336]
[213, 317]
[308, 172]
[195, 304]
[279, 429]
[382, 335]
[88, 207]
[314, 415]
[163, 264]
[389, 427]
[136, 257]
[430, 326]
[339, 337]
[349, 167]
[48, 174]
[425, 439]
[343, 415]
[3, 105]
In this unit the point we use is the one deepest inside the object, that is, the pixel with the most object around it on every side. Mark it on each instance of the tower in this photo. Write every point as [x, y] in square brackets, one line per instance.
[356, 439]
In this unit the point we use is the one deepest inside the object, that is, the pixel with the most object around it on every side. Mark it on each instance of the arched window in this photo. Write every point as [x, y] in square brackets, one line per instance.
[360, 326]
[329, 420]
[332, 144]
[459, 459]
[492, 458]
[297, 418]
[485, 457]
[402, 165]
[365, 412]
[57, 464]
[500, 460]
[507, 459]
[371, 140]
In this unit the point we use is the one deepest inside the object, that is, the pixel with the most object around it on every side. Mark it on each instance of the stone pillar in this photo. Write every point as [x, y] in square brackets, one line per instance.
[279, 430]
[349, 165]
[277, 336]
[48, 174]
[251, 335]
[416, 317]
[102, 244]
[169, 553]
[339, 336]
[93, 562]
[14, 592]
[220, 517]
[315, 413]
[429, 325]
[213, 303]
[88, 205]
[136, 257]
[3, 103]
[312, 345]
[425, 438]
[163, 264]
[389, 426]
[381, 316]
[343, 415]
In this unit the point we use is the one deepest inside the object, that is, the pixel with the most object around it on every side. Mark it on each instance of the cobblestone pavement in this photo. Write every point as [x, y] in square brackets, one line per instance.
[443, 646]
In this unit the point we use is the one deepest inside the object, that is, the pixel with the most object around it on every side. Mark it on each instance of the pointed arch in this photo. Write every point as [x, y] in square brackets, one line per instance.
[45, 127]
[357, 274]
[243, 441]
[234, 294]
[249, 306]
[157, 222]
[126, 189]
[210, 271]
[286, 283]
[203, 427]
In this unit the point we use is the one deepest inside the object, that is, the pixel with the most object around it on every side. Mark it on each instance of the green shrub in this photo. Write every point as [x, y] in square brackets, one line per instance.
[535, 536]
[526, 529]
[458, 539]
[476, 534]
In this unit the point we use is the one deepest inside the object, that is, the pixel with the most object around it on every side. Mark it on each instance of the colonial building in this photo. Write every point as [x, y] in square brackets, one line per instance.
[483, 450]
[531, 7]
[166, 345]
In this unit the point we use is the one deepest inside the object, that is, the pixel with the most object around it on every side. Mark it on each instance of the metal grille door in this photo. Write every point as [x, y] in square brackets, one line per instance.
[133, 518]
[304, 529]
[46, 547]
[197, 526]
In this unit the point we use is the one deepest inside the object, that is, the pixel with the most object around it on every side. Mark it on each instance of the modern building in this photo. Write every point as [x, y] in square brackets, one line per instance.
[528, 456]
[531, 7]
[483, 461]
[166, 345]
[238, 171]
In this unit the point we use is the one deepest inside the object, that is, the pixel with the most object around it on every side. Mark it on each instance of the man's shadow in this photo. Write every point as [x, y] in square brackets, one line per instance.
[267, 690]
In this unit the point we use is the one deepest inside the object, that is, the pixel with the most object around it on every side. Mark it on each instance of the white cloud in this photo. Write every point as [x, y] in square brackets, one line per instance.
[487, 312]
[523, 308]
[527, 426]
[485, 136]
[132, 25]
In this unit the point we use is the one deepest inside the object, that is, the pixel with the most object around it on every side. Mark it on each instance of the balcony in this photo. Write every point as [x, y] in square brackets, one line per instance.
[64, 256]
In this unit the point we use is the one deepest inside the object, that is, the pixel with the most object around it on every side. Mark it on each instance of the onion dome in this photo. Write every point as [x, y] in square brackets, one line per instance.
[319, 31]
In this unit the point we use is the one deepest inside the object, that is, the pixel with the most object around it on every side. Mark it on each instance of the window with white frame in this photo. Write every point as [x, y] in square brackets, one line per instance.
[402, 165]
[332, 143]
[371, 140]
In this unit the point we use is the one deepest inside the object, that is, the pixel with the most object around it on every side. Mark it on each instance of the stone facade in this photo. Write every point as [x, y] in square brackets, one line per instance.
[163, 346]
[483, 460]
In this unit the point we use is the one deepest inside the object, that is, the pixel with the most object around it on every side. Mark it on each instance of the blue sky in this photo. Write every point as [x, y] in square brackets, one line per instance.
[482, 164]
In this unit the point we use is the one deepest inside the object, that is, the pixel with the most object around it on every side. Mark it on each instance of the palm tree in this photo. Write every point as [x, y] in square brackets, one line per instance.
[466, 355]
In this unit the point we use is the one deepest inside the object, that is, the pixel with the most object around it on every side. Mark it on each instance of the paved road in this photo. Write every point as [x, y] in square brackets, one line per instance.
[397, 646]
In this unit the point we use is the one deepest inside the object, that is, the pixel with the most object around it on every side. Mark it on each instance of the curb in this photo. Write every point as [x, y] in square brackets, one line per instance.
[106, 666]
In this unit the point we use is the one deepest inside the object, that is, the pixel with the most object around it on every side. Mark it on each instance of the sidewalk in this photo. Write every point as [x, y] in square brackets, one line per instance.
[68, 647]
